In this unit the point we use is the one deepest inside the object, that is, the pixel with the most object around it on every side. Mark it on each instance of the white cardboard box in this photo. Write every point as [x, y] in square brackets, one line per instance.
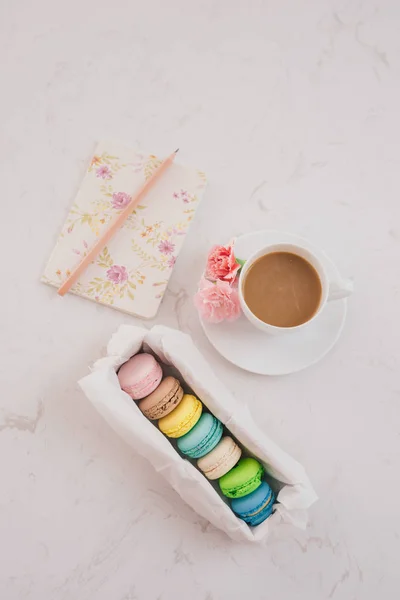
[177, 349]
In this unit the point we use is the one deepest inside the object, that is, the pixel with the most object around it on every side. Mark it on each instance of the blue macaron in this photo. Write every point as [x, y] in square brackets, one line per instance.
[255, 507]
[202, 438]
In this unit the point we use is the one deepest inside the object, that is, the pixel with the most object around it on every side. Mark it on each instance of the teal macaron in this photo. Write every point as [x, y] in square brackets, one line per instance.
[202, 438]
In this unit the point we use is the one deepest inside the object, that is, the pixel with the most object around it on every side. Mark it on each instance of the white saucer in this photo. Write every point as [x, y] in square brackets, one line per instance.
[250, 349]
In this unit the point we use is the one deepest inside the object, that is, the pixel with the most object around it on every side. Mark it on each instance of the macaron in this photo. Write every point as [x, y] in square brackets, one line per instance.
[181, 420]
[220, 460]
[202, 438]
[140, 375]
[242, 479]
[255, 507]
[163, 400]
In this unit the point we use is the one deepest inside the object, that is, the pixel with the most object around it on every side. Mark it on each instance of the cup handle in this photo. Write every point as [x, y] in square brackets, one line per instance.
[340, 289]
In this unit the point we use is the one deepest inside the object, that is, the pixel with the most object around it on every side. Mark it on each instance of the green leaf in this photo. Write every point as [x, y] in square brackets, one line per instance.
[240, 262]
[105, 259]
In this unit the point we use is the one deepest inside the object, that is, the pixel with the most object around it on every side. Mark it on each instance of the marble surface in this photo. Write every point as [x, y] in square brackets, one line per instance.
[292, 109]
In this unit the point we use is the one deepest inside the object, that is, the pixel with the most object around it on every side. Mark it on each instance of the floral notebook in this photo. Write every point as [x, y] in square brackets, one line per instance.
[130, 274]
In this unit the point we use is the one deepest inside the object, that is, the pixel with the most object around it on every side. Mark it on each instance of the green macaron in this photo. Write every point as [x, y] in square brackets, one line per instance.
[242, 479]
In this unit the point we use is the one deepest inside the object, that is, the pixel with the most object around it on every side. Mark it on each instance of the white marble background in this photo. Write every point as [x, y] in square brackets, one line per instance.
[292, 108]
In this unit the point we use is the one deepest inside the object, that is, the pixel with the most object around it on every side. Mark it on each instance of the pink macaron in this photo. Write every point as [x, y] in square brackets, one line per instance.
[140, 375]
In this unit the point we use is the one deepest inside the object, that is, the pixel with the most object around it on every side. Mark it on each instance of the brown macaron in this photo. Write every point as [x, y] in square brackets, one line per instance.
[163, 400]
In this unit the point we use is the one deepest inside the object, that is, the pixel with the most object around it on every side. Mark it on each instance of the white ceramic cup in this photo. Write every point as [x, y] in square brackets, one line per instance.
[331, 290]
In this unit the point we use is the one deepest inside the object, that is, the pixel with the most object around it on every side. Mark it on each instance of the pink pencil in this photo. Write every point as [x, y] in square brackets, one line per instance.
[114, 226]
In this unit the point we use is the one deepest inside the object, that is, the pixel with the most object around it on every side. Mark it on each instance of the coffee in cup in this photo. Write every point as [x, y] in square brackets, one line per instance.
[282, 289]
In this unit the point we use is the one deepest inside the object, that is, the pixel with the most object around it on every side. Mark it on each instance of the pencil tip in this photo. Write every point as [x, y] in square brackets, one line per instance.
[176, 151]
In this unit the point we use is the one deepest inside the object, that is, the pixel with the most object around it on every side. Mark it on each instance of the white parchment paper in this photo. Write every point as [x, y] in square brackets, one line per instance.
[178, 350]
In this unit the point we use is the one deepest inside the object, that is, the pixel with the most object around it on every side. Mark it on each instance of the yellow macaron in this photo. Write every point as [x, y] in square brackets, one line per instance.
[181, 420]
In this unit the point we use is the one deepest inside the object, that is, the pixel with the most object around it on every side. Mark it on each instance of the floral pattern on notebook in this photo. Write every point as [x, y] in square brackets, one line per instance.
[132, 272]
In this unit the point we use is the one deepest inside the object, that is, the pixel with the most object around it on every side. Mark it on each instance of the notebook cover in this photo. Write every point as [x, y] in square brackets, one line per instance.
[131, 273]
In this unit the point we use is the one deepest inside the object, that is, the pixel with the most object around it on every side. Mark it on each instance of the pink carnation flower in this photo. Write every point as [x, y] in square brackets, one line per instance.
[217, 301]
[221, 263]
[120, 200]
[117, 274]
